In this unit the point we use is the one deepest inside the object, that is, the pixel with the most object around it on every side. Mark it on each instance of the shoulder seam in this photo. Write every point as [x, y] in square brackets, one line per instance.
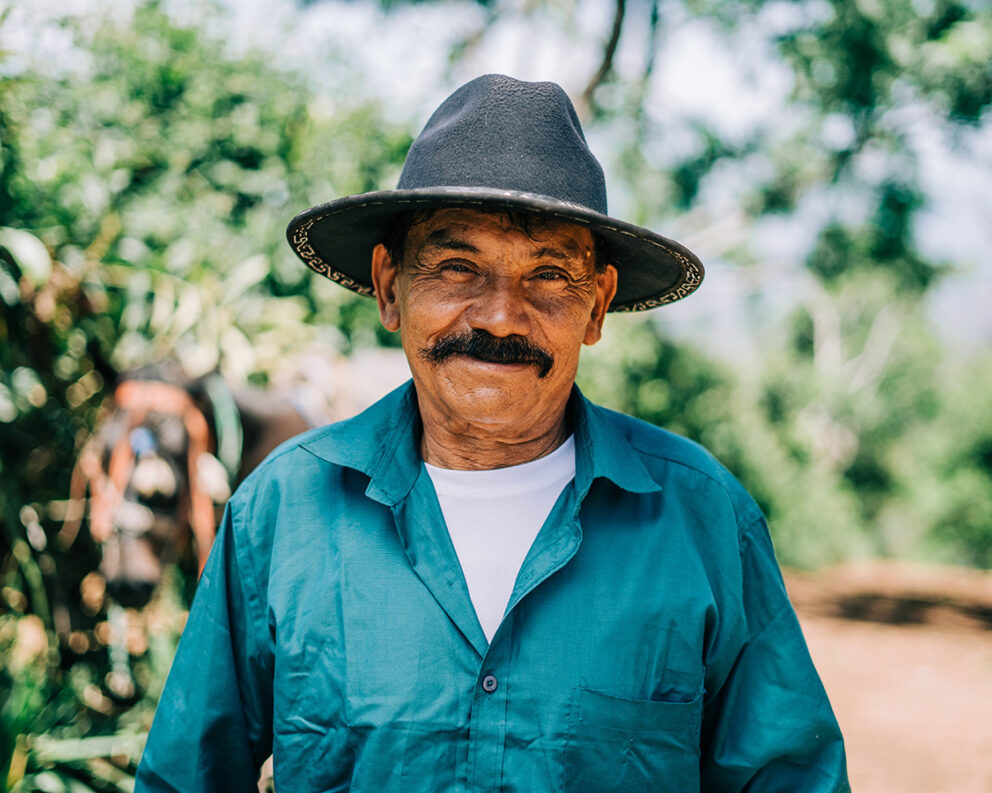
[622, 418]
[745, 519]
[683, 463]
[290, 445]
[284, 452]
[744, 528]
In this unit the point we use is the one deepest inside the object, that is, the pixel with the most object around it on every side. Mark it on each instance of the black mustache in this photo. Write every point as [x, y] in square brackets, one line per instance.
[496, 349]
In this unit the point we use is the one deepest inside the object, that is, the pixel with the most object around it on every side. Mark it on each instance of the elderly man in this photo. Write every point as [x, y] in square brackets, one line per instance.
[484, 582]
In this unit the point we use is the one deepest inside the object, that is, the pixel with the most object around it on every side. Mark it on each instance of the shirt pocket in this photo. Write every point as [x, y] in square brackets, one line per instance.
[618, 745]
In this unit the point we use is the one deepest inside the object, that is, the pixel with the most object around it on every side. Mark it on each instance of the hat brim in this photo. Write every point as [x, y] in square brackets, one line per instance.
[336, 239]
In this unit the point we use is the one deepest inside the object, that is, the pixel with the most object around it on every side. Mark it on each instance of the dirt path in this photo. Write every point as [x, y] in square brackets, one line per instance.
[906, 656]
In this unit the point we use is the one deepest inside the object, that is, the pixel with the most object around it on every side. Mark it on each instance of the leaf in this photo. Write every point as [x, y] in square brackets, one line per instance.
[29, 253]
[244, 275]
[53, 750]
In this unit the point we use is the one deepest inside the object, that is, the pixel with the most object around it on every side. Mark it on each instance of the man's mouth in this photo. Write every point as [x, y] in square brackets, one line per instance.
[482, 359]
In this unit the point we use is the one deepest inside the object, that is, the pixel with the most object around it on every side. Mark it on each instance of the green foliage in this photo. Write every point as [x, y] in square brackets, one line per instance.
[851, 438]
[812, 511]
[884, 242]
[688, 174]
[60, 729]
[635, 370]
[143, 201]
[859, 54]
[843, 62]
[941, 469]
[164, 178]
[824, 428]
[861, 70]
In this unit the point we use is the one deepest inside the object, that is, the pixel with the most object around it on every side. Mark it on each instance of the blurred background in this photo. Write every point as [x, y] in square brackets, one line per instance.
[829, 160]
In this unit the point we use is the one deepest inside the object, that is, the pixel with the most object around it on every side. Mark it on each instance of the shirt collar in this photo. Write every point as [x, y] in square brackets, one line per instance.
[603, 449]
[383, 442]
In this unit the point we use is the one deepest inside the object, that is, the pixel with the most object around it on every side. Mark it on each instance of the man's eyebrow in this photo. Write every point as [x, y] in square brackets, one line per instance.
[445, 240]
[565, 253]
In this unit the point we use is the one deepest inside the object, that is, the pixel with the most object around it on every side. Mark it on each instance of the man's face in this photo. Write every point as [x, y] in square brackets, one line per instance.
[493, 316]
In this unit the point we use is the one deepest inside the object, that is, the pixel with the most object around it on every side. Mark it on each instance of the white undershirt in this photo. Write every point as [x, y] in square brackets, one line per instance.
[493, 517]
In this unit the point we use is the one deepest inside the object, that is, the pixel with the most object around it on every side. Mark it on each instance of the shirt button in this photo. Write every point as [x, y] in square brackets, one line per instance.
[489, 684]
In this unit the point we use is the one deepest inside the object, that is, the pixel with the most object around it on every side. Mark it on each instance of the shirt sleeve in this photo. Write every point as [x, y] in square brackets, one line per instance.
[770, 728]
[212, 727]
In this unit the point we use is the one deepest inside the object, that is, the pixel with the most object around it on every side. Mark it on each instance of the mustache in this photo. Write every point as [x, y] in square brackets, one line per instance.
[495, 349]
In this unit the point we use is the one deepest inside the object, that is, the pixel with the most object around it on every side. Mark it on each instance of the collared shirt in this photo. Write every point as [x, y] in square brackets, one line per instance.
[648, 644]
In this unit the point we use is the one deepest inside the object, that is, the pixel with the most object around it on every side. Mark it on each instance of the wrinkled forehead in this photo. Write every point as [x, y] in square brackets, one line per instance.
[452, 227]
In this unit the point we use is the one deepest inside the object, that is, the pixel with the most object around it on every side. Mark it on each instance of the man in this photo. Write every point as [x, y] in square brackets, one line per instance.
[485, 582]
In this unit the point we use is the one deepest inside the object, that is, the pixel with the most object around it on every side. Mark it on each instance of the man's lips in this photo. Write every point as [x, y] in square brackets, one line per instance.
[505, 364]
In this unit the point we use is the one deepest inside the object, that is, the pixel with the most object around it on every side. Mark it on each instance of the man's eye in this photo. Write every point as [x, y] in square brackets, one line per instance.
[550, 275]
[456, 267]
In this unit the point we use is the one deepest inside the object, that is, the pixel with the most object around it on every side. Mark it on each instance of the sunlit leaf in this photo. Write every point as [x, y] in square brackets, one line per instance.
[29, 253]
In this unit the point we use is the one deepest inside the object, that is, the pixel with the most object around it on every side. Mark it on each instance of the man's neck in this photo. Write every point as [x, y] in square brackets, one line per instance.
[475, 448]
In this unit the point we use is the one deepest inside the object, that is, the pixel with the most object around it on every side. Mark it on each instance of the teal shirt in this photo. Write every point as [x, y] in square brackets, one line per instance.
[648, 645]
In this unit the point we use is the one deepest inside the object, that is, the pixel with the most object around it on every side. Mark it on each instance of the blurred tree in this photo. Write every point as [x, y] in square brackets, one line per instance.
[143, 201]
[861, 370]
[863, 335]
[817, 426]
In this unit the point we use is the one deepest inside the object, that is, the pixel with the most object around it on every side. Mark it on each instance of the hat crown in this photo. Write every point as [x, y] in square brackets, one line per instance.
[505, 134]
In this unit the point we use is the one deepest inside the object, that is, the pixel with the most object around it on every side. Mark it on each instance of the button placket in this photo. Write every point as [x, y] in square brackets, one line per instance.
[488, 731]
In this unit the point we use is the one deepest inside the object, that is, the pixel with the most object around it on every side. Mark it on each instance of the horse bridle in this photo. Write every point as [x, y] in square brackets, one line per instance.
[138, 398]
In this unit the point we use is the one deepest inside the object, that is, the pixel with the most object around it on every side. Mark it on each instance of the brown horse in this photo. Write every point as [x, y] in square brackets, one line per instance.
[163, 459]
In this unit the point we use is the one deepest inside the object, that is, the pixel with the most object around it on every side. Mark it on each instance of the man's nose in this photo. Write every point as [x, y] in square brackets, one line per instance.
[501, 308]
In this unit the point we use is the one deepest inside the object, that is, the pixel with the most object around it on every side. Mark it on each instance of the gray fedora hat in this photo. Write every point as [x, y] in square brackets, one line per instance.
[498, 145]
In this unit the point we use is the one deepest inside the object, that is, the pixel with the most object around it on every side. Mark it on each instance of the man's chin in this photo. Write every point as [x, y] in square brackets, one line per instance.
[498, 400]
[477, 389]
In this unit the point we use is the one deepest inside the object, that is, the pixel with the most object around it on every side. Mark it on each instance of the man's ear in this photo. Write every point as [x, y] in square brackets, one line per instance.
[384, 273]
[606, 288]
